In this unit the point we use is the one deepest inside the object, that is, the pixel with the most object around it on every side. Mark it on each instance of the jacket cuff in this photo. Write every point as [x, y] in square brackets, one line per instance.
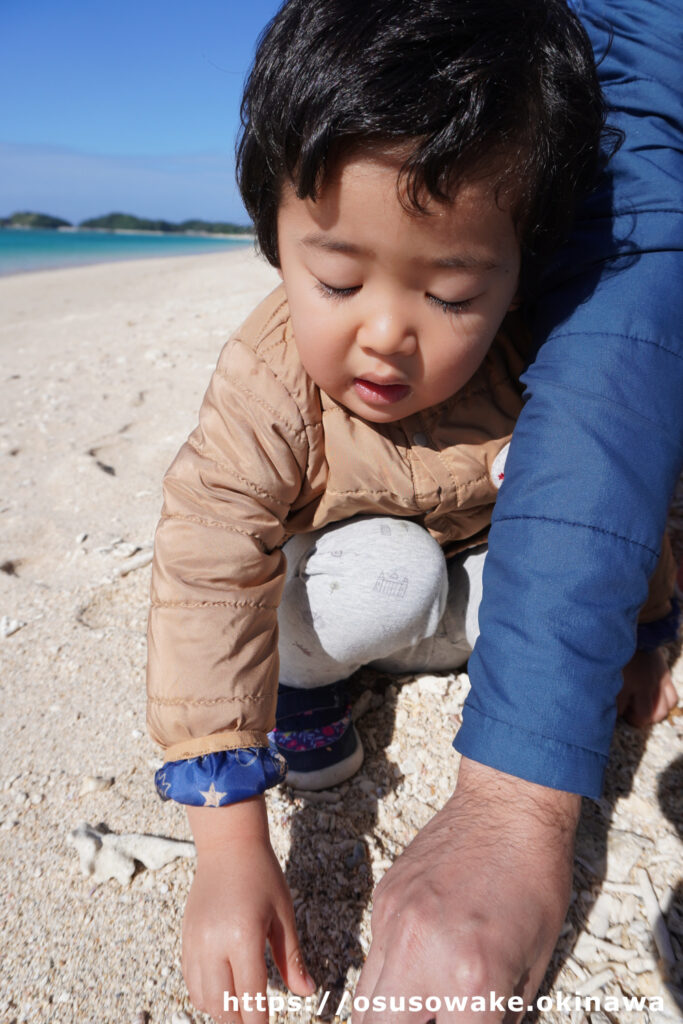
[530, 756]
[652, 635]
[222, 778]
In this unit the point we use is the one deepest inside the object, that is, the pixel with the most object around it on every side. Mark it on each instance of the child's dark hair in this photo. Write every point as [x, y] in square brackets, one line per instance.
[507, 87]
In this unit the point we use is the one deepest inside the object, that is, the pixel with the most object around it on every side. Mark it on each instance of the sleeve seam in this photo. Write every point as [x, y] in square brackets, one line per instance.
[214, 604]
[596, 396]
[378, 491]
[206, 701]
[306, 425]
[260, 401]
[251, 487]
[618, 334]
[584, 526]
[212, 523]
[260, 353]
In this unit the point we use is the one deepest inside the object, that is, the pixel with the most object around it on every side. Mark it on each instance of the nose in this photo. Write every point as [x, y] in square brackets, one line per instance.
[388, 331]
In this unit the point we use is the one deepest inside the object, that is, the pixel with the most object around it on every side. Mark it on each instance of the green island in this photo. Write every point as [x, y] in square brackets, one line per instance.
[33, 220]
[126, 222]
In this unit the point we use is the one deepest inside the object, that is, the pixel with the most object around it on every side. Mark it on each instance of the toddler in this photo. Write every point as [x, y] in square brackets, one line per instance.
[408, 165]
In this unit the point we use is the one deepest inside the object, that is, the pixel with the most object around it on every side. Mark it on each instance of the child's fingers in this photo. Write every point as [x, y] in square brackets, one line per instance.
[284, 943]
[207, 974]
[215, 980]
[251, 979]
[192, 973]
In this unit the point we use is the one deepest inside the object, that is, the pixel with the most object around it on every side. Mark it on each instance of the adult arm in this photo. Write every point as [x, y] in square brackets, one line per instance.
[578, 526]
[576, 534]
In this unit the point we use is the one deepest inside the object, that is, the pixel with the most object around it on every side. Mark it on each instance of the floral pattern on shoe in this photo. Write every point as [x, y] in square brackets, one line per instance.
[311, 739]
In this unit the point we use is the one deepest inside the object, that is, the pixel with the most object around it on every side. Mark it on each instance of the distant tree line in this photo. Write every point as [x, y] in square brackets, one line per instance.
[126, 221]
[33, 220]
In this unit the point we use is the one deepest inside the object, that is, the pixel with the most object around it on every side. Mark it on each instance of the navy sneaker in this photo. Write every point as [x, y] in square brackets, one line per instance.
[315, 735]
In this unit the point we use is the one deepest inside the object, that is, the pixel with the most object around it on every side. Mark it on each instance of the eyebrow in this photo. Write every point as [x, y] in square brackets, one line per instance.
[319, 240]
[458, 261]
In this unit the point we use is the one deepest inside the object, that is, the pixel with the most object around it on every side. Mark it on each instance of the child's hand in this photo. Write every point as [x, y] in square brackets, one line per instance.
[239, 898]
[648, 693]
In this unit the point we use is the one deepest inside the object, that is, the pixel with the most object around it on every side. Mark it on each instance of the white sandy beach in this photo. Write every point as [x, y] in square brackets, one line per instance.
[103, 370]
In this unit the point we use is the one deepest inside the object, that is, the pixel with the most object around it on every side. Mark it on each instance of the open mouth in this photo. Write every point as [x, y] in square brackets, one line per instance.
[380, 394]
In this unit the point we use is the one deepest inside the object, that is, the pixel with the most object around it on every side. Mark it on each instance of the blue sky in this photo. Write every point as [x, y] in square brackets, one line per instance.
[126, 105]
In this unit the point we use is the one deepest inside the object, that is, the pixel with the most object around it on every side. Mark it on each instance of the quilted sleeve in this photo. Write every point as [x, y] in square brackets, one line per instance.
[577, 530]
[218, 568]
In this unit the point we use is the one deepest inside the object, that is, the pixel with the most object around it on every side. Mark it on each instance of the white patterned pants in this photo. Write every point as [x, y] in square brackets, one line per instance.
[378, 591]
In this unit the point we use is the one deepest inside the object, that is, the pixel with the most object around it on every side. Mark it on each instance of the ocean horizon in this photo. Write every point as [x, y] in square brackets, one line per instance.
[26, 250]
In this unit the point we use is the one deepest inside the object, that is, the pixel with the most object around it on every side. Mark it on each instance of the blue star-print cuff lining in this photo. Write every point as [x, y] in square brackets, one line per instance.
[226, 777]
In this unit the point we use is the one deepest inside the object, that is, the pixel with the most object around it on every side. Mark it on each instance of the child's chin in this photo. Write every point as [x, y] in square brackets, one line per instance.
[374, 414]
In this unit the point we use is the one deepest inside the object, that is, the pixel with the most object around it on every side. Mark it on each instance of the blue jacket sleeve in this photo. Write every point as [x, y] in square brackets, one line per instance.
[598, 447]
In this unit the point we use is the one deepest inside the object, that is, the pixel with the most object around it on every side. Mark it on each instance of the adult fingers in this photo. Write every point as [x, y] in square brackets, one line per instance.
[414, 985]
[393, 1000]
[367, 982]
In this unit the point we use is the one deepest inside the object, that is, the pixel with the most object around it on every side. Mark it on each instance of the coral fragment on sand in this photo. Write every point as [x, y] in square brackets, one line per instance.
[106, 855]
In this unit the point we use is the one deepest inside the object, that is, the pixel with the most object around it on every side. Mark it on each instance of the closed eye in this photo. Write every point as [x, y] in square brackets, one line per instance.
[331, 292]
[451, 307]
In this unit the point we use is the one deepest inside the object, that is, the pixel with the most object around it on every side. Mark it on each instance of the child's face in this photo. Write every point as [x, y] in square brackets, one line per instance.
[394, 311]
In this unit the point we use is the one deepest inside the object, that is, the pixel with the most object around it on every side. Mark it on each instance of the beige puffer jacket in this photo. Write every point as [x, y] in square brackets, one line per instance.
[274, 456]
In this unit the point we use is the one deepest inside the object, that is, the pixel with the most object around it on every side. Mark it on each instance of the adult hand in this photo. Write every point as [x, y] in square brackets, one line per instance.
[474, 905]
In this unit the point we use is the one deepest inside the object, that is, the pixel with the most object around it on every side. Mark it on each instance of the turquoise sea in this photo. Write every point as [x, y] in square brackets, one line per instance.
[26, 250]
